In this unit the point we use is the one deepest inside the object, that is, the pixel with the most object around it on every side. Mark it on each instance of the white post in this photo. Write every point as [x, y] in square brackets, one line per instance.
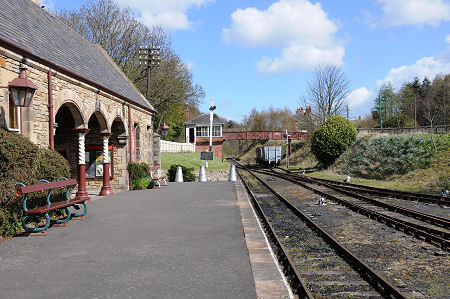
[211, 116]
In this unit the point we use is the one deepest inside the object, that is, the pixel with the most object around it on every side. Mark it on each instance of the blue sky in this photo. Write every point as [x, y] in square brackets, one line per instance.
[260, 53]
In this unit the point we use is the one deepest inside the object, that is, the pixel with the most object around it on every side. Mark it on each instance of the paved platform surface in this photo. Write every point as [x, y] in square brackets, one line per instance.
[182, 241]
[269, 281]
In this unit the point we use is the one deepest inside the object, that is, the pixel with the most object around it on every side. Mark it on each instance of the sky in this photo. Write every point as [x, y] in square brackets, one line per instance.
[259, 54]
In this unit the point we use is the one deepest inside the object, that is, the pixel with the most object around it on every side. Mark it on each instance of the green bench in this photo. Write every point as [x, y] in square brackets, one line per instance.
[43, 211]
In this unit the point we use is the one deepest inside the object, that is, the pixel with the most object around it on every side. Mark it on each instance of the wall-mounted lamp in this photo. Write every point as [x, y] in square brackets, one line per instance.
[22, 89]
[164, 130]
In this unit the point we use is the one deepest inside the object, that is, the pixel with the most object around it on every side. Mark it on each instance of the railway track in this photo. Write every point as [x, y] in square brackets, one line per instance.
[420, 197]
[318, 265]
[435, 230]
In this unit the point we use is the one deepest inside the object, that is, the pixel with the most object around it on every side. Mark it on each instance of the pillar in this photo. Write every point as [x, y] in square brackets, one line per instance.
[106, 188]
[81, 193]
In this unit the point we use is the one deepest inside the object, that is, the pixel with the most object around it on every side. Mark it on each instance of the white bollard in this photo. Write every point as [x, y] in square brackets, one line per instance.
[179, 175]
[202, 174]
[232, 175]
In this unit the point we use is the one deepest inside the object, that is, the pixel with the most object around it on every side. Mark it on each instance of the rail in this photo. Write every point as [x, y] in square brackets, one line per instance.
[176, 147]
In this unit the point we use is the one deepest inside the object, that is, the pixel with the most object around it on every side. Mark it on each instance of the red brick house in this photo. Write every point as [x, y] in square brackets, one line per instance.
[197, 132]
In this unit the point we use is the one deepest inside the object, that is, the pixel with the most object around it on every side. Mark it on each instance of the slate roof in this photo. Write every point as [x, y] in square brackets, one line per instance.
[204, 120]
[28, 26]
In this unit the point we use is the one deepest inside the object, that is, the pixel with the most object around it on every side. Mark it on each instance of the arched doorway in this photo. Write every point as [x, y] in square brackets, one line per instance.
[68, 118]
[119, 140]
[94, 150]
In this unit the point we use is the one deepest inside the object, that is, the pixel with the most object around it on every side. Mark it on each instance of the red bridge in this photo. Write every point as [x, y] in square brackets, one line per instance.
[264, 135]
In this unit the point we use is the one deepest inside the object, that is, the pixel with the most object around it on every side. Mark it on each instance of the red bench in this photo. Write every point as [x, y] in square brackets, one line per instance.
[43, 211]
[154, 173]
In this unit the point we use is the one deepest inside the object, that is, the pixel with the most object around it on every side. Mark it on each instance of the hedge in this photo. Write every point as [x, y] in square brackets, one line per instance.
[23, 161]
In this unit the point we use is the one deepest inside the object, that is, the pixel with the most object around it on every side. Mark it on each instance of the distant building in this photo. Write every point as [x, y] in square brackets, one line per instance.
[197, 132]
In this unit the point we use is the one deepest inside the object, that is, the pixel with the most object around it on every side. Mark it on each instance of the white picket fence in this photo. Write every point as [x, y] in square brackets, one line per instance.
[176, 147]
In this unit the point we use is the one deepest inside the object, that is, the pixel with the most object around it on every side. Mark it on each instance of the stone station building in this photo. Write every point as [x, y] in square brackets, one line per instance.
[84, 106]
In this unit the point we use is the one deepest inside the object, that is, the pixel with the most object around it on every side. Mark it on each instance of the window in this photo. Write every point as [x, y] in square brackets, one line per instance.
[137, 142]
[204, 131]
[216, 131]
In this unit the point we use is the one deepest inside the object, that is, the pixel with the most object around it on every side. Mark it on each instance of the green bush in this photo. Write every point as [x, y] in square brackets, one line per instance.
[188, 175]
[141, 183]
[151, 185]
[22, 161]
[138, 170]
[382, 157]
[332, 138]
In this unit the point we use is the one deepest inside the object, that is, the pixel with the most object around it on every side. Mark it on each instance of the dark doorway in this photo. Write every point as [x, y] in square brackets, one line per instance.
[191, 135]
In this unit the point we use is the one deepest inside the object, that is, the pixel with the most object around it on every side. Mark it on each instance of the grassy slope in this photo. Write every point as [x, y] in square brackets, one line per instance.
[191, 160]
[422, 180]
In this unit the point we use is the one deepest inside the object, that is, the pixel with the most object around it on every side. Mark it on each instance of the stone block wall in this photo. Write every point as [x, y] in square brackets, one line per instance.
[80, 102]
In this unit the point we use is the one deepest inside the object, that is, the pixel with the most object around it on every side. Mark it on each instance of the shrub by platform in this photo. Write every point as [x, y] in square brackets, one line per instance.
[140, 175]
[23, 161]
[188, 175]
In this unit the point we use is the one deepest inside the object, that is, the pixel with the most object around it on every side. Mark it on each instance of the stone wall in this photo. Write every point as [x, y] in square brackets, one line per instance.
[77, 103]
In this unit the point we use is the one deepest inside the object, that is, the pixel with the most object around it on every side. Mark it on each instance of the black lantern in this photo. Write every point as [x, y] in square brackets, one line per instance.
[164, 130]
[22, 89]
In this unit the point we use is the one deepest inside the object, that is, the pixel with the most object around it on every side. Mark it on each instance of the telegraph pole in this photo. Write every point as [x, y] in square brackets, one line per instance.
[149, 56]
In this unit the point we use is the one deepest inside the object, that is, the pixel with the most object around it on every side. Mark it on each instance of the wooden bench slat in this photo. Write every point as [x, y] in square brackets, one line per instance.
[54, 206]
[47, 186]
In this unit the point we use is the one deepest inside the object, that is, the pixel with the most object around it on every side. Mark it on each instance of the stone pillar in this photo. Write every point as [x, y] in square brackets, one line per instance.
[106, 188]
[81, 193]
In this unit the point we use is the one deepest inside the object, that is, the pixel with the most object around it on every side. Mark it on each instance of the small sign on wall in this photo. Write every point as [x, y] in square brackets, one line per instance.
[204, 155]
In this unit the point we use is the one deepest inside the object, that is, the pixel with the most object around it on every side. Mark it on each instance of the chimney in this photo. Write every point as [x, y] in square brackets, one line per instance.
[186, 113]
[38, 2]
[308, 111]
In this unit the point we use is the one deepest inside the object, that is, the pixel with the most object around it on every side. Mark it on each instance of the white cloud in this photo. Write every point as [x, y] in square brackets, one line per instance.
[359, 96]
[302, 30]
[171, 14]
[425, 67]
[447, 39]
[415, 12]
[428, 67]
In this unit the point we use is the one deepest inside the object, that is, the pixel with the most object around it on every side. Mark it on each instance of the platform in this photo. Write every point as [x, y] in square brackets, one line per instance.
[182, 241]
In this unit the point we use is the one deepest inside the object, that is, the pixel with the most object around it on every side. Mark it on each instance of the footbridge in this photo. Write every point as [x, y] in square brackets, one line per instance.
[264, 135]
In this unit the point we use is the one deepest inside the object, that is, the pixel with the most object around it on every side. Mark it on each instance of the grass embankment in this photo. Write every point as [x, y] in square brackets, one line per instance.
[191, 160]
[416, 163]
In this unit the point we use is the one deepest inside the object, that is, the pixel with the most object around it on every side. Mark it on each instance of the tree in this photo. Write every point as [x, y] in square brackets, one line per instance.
[272, 119]
[120, 33]
[326, 92]
[332, 138]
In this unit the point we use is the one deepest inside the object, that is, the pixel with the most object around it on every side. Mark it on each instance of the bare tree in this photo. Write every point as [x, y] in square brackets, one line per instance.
[326, 93]
[121, 34]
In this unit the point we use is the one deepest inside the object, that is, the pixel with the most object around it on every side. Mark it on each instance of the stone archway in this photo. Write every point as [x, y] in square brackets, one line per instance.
[119, 140]
[97, 126]
[67, 118]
